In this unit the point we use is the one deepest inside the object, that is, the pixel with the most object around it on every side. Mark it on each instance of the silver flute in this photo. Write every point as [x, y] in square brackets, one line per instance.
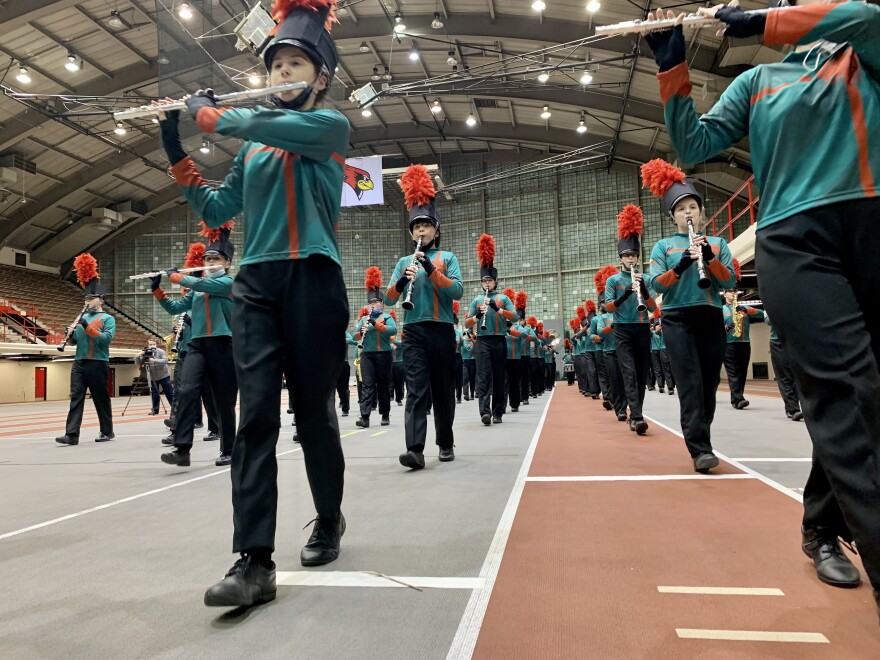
[691, 21]
[233, 97]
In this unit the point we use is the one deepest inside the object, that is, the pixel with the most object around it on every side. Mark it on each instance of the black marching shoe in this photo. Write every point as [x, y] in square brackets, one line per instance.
[152, 413]
[363, 422]
[103, 437]
[524, 402]
[385, 421]
[661, 390]
[168, 422]
[496, 419]
[512, 409]
[798, 416]
[400, 403]
[739, 405]
[67, 440]
[595, 396]
[169, 440]
[296, 437]
[446, 454]
[832, 565]
[458, 400]
[198, 425]
[177, 458]
[705, 462]
[632, 425]
[212, 435]
[247, 583]
[651, 389]
[641, 427]
[290, 411]
[671, 392]
[486, 420]
[345, 413]
[414, 460]
[621, 417]
[323, 544]
[607, 404]
[223, 460]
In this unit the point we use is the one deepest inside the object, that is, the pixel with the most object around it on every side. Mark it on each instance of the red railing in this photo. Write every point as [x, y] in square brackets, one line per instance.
[728, 209]
[20, 320]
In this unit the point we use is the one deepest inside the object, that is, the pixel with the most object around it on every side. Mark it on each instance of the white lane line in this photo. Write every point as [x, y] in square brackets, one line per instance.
[773, 460]
[379, 433]
[757, 475]
[752, 635]
[644, 477]
[465, 639]
[101, 507]
[723, 591]
[370, 579]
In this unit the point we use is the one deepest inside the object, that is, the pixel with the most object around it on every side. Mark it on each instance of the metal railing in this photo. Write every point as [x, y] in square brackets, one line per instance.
[727, 209]
[146, 321]
[23, 318]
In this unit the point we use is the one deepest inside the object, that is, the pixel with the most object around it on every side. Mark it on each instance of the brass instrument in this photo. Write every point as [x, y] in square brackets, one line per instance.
[243, 95]
[691, 21]
[69, 334]
[736, 316]
[357, 360]
[704, 282]
[641, 306]
[486, 313]
[407, 301]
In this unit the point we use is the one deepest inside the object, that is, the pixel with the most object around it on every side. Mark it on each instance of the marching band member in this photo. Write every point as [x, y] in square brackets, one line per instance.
[397, 368]
[602, 334]
[738, 352]
[589, 349]
[660, 356]
[567, 360]
[528, 334]
[459, 367]
[577, 342]
[375, 332]
[512, 350]
[784, 374]
[470, 365]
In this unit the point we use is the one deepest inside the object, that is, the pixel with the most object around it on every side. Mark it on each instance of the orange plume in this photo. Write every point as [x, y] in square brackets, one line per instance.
[456, 307]
[213, 234]
[195, 256]
[540, 327]
[521, 299]
[281, 9]
[600, 278]
[581, 313]
[365, 311]
[590, 306]
[567, 344]
[659, 176]
[510, 293]
[486, 250]
[372, 278]
[630, 221]
[574, 324]
[418, 189]
[86, 267]
[737, 270]
[532, 321]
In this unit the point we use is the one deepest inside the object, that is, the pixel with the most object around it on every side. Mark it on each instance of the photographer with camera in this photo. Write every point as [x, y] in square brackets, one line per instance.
[155, 361]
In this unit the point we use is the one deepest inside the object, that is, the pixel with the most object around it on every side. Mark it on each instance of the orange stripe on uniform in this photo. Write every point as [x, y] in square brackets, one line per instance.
[857, 108]
[208, 313]
[769, 91]
[675, 82]
[207, 118]
[339, 158]
[292, 223]
[275, 151]
[186, 174]
[788, 27]
[668, 278]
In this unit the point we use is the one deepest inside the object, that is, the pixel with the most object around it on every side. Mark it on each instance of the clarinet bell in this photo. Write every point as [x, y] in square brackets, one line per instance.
[407, 305]
[704, 283]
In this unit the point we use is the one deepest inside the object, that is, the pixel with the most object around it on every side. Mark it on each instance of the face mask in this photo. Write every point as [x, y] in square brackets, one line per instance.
[375, 312]
[216, 273]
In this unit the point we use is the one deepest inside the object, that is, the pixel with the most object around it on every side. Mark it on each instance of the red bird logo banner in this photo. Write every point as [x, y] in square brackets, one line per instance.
[362, 181]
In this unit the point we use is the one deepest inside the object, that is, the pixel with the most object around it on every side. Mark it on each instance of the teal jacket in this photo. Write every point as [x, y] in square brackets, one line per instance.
[185, 336]
[458, 338]
[515, 337]
[657, 340]
[286, 179]
[397, 351]
[605, 329]
[350, 342]
[93, 343]
[751, 315]
[549, 355]
[567, 358]
[467, 349]
[528, 339]
[813, 117]
[376, 339]
[432, 296]
[773, 335]
[628, 312]
[683, 291]
[209, 300]
[496, 322]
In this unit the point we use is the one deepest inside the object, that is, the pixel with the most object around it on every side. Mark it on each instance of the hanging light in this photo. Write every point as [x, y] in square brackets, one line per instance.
[364, 48]
[593, 6]
[538, 5]
[71, 63]
[582, 126]
[437, 24]
[413, 54]
[23, 76]
[376, 75]
[387, 74]
[366, 112]
[120, 129]
[255, 80]
[205, 148]
[398, 23]
[586, 78]
[115, 19]
[163, 58]
[450, 60]
[435, 106]
[155, 120]
[543, 77]
[545, 113]
[185, 12]
[470, 120]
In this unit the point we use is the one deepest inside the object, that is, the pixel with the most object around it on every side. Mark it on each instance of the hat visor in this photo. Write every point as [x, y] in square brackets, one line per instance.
[308, 49]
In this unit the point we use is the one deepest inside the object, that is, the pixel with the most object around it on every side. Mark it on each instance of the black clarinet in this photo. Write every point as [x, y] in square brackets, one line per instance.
[486, 313]
[178, 332]
[69, 334]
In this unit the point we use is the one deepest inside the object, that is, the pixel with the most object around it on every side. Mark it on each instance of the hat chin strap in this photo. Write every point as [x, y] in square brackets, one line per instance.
[295, 103]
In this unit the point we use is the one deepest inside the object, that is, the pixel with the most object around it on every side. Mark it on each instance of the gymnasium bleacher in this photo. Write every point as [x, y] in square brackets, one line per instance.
[57, 304]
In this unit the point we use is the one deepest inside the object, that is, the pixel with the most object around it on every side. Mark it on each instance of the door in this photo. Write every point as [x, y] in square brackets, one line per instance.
[40, 383]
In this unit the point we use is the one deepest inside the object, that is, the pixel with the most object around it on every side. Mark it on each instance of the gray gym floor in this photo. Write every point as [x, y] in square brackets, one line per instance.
[126, 580]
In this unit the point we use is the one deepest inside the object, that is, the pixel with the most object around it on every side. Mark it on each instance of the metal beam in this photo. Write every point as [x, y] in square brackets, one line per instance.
[113, 36]
[629, 81]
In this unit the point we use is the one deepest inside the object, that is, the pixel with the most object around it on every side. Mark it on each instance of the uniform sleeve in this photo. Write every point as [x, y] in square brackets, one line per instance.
[755, 315]
[696, 137]
[391, 293]
[214, 206]
[610, 293]
[721, 267]
[508, 311]
[450, 281]
[390, 326]
[471, 319]
[183, 304]
[854, 23]
[315, 134]
[218, 286]
[664, 278]
[106, 331]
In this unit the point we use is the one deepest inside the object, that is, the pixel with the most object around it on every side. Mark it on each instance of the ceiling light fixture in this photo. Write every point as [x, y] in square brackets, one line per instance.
[120, 129]
[436, 107]
[364, 48]
[437, 24]
[450, 60]
[387, 74]
[582, 126]
[185, 12]
[163, 58]
[543, 77]
[115, 20]
[366, 112]
[255, 80]
[539, 5]
[376, 75]
[413, 54]
[398, 23]
[545, 113]
[71, 64]
[470, 120]
[23, 76]
[205, 148]
[593, 6]
[586, 78]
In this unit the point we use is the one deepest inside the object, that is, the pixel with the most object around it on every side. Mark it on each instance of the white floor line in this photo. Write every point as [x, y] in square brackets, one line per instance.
[101, 507]
[723, 591]
[643, 477]
[752, 635]
[371, 579]
[757, 475]
[773, 460]
[465, 639]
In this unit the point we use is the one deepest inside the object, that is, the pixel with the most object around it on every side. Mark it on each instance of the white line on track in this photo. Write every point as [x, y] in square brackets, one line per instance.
[723, 591]
[101, 507]
[642, 477]
[752, 635]
[465, 639]
[371, 579]
[773, 460]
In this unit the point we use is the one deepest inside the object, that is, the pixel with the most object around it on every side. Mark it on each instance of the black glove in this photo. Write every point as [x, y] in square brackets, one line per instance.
[741, 24]
[492, 304]
[84, 323]
[187, 320]
[742, 308]
[728, 328]
[708, 254]
[644, 289]
[170, 131]
[401, 284]
[428, 265]
[668, 47]
[205, 99]
[622, 298]
[683, 265]
[372, 321]
[171, 271]
[479, 314]
[155, 282]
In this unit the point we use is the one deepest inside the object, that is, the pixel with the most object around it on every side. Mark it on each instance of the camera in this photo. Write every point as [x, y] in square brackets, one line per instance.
[148, 353]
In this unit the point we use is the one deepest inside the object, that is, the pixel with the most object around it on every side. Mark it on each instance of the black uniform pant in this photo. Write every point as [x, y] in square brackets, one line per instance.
[602, 374]
[458, 376]
[342, 390]
[658, 378]
[470, 387]
[91, 375]
[272, 335]
[570, 375]
[376, 374]
[696, 340]
[784, 377]
[591, 367]
[428, 350]
[536, 369]
[511, 383]
[398, 375]
[167, 390]
[616, 391]
[633, 341]
[829, 252]
[525, 371]
[208, 360]
[550, 374]
[580, 372]
[489, 353]
[736, 363]
[207, 400]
